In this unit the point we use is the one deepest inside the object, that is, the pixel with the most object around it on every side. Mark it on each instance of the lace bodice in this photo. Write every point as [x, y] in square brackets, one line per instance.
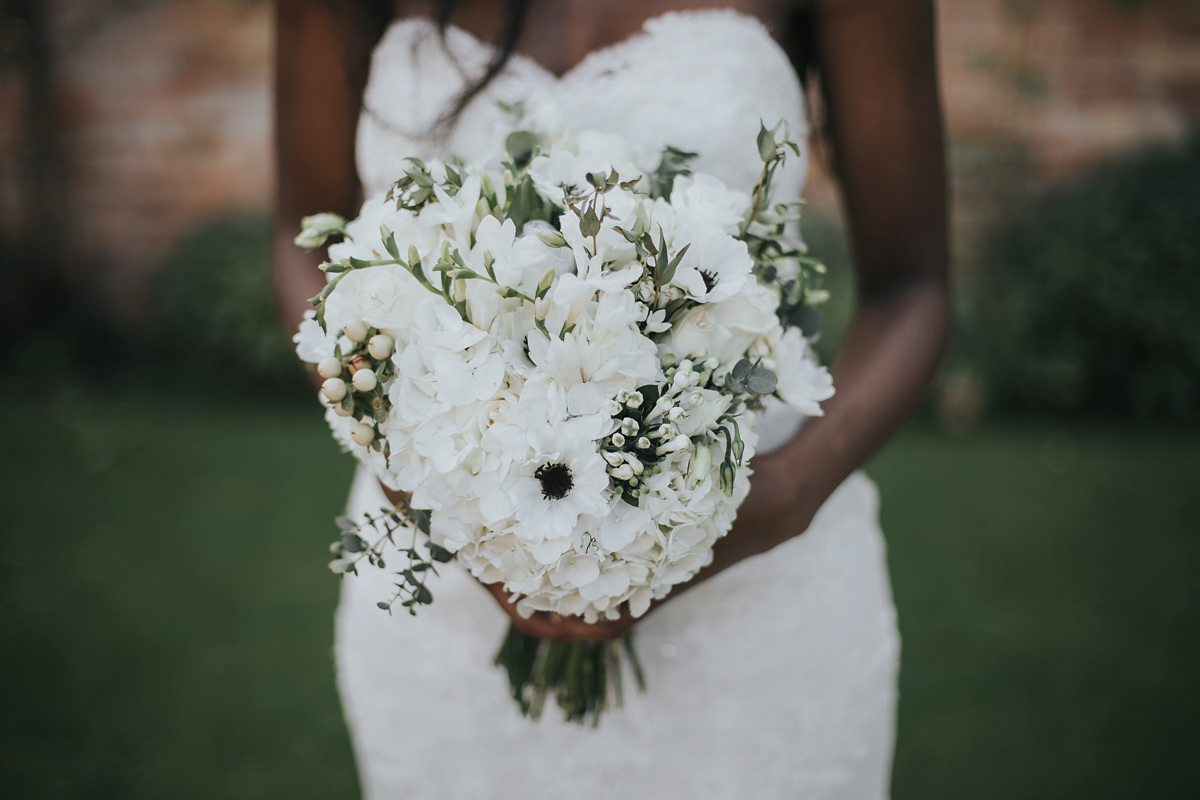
[696, 80]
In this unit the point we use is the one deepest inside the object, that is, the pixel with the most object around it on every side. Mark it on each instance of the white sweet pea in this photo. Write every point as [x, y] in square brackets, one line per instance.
[702, 201]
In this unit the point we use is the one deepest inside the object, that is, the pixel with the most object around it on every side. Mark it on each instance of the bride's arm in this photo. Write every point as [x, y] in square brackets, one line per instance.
[877, 64]
[316, 111]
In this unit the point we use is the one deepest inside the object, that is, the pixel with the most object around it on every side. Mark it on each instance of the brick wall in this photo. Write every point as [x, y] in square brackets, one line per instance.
[166, 112]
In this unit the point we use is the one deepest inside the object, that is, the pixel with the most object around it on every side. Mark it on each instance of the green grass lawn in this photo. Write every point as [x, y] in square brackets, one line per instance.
[165, 614]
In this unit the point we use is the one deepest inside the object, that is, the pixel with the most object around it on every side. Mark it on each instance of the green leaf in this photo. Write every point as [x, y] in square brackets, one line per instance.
[761, 381]
[673, 264]
[520, 146]
[353, 543]
[389, 243]
[766, 143]
[440, 554]
[741, 369]
[589, 223]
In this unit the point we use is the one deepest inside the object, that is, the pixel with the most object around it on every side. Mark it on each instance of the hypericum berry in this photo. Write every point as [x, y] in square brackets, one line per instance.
[360, 361]
[380, 346]
[329, 367]
[356, 331]
[334, 389]
[344, 409]
[365, 380]
[362, 433]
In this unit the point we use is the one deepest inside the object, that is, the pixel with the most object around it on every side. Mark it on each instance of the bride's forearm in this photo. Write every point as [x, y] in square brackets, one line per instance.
[883, 369]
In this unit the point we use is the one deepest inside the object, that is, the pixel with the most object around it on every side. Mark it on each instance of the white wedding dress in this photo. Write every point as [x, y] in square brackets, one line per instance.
[774, 679]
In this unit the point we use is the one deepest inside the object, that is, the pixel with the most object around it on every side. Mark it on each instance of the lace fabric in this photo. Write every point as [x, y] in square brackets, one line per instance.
[774, 679]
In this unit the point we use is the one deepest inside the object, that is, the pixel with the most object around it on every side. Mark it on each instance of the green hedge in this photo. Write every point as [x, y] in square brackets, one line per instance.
[1089, 300]
[215, 315]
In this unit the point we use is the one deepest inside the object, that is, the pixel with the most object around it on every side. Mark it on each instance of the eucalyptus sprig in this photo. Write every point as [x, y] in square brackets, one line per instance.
[352, 548]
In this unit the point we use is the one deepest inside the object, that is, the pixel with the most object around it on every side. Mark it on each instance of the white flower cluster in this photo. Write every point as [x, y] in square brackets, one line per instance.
[560, 363]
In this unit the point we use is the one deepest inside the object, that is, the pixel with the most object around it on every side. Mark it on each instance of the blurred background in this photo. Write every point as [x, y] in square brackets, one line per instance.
[165, 492]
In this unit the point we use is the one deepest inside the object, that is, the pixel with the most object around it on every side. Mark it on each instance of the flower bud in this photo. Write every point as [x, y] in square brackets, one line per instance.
[380, 346]
[622, 473]
[711, 363]
[629, 426]
[618, 439]
[334, 389]
[675, 413]
[700, 464]
[362, 433]
[637, 466]
[727, 478]
[365, 380]
[614, 459]
[634, 400]
[329, 367]
[642, 443]
[316, 229]
[680, 442]
[356, 331]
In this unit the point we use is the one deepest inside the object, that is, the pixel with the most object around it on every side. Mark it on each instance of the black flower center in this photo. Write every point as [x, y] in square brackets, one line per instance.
[556, 480]
[710, 280]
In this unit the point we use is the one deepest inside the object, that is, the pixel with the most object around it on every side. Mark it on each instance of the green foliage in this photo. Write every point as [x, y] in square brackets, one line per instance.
[1090, 296]
[214, 309]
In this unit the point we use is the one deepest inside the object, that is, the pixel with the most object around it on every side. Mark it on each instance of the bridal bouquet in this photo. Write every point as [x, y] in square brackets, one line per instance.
[557, 360]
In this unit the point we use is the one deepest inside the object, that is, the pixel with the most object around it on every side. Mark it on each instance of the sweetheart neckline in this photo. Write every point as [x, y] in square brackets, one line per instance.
[638, 36]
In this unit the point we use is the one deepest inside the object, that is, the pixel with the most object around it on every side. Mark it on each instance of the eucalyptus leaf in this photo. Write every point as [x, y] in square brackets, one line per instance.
[761, 380]
[520, 146]
[589, 223]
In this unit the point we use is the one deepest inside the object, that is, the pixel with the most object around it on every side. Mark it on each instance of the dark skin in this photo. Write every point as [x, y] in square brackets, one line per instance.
[877, 65]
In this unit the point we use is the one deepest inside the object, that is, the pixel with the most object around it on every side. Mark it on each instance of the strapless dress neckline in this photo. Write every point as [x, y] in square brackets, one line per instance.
[650, 27]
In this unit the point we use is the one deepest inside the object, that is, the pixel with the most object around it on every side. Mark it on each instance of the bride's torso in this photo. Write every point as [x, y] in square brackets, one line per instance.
[698, 80]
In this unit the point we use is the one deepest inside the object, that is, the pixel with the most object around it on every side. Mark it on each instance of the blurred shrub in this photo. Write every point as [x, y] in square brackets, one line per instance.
[1089, 299]
[214, 309]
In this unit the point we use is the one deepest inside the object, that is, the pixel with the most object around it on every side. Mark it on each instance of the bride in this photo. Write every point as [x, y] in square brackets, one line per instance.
[773, 673]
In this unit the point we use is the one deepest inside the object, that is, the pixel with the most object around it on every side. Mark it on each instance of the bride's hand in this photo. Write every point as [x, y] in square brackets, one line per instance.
[549, 626]
[775, 510]
[561, 628]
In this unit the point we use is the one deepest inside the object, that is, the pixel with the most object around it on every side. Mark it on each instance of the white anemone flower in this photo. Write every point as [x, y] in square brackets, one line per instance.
[716, 266]
[564, 477]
